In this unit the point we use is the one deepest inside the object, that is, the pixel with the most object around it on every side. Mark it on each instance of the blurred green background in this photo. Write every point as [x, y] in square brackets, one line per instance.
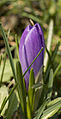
[15, 15]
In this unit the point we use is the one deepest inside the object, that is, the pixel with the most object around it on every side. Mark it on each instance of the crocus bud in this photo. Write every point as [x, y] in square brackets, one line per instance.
[32, 40]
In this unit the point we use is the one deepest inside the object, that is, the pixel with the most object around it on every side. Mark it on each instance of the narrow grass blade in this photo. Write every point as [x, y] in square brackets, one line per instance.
[49, 40]
[51, 59]
[54, 53]
[33, 61]
[0, 59]
[31, 91]
[41, 109]
[3, 104]
[38, 85]
[11, 49]
[50, 84]
[47, 73]
[29, 112]
[3, 69]
[48, 53]
[8, 50]
[6, 99]
[17, 48]
[49, 112]
[20, 88]
[53, 101]
[57, 69]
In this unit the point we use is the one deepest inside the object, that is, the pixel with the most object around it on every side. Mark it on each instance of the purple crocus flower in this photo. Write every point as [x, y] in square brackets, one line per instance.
[31, 42]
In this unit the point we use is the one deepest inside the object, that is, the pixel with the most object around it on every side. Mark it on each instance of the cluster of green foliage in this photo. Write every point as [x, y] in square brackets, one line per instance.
[13, 95]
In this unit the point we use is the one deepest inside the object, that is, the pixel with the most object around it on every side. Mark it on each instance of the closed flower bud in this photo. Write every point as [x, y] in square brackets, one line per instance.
[32, 40]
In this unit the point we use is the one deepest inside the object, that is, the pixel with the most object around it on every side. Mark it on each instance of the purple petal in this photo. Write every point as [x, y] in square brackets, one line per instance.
[31, 42]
